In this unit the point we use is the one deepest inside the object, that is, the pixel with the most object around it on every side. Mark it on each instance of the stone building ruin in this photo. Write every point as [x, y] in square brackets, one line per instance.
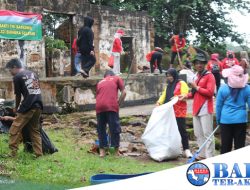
[138, 39]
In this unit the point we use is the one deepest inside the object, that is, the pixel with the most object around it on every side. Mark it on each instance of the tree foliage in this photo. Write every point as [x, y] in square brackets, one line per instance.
[51, 21]
[207, 17]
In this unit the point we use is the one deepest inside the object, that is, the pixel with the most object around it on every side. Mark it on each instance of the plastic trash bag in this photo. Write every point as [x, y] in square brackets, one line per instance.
[47, 146]
[161, 136]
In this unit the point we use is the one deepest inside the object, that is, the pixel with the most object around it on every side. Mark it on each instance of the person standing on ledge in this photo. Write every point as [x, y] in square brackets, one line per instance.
[85, 43]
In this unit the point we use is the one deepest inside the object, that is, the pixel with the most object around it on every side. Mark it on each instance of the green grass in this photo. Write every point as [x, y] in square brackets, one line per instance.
[72, 166]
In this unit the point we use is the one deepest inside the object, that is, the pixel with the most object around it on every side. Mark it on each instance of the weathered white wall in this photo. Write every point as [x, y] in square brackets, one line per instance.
[137, 26]
[34, 55]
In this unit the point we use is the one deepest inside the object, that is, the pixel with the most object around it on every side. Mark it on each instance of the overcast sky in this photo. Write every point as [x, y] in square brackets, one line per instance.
[242, 23]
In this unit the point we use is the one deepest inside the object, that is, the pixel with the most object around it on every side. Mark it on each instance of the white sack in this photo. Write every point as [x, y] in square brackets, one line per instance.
[161, 136]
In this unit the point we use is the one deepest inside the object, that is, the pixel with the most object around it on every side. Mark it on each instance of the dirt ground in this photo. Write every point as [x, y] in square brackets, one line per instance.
[133, 122]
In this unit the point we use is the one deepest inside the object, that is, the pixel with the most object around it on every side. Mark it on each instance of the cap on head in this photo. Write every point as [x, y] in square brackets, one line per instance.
[200, 57]
[120, 31]
[181, 35]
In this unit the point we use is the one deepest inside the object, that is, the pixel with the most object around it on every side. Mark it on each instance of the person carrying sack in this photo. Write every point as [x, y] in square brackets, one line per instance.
[176, 87]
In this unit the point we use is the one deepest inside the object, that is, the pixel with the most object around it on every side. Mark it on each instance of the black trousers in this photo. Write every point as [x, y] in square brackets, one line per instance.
[112, 119]
[173, 55]
[156, 57]
[181, 122]
[88, 61]
[232, 133]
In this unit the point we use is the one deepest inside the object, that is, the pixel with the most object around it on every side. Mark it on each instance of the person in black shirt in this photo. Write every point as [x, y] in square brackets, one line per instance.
[26, 85]
[85, 44]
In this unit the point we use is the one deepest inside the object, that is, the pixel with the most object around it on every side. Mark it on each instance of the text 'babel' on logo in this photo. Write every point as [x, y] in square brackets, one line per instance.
[231, 175]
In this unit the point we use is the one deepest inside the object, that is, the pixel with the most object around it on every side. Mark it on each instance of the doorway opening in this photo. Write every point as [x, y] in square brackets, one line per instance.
[127, 58]
[59, 32]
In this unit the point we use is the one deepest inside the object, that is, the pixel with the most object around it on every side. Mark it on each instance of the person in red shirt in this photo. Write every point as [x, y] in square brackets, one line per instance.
[117, 50]
[214, 66]
[154, 58]
[77, 57]
[107, 110]
[178, 42]
[229, 61]
[202, 93]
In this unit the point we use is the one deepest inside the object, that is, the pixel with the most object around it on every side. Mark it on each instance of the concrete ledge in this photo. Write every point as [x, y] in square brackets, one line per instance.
[79, 94]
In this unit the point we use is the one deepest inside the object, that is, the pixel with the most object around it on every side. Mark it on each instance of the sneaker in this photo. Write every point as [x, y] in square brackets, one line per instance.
[84, 74]
[78, 74]
[188, 153]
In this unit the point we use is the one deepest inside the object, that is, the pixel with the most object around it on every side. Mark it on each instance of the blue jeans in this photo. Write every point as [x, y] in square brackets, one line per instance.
[77, 62]
[112, 119]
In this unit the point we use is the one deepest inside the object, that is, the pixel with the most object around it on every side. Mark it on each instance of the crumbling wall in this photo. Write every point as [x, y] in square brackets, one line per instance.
[56, 91]
[31, 53]
[136, 25]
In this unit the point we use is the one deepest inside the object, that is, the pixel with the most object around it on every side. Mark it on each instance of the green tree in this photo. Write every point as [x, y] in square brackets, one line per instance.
[51, 21]
[207, 17]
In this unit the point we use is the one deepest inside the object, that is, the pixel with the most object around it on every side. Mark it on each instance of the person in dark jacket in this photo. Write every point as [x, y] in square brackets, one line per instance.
[85, 44]
[27, 88]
